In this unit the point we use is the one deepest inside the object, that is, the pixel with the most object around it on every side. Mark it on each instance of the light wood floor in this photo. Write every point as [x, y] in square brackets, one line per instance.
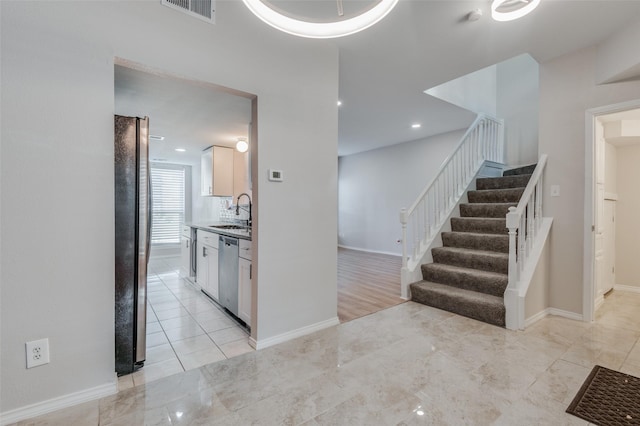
[367, 283]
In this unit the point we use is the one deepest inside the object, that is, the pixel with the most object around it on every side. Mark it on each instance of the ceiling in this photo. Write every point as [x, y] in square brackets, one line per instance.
[384, 70]
[189, 115]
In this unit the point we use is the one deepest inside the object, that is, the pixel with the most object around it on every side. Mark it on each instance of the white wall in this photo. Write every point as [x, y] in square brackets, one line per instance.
[627, 224]
[537, 298]
[567, 90]
[476, 91]
[57, 173]
[375, 185]
[618, 57]
[508, 90]
[517, 104]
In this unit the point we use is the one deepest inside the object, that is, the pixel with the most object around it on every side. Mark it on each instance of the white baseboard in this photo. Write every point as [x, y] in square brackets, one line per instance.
[598, 302]
[566, 314]
[369, 251]
[552, 311]
[54, 404]
[630, 288]
[535, 318]
[289, 335]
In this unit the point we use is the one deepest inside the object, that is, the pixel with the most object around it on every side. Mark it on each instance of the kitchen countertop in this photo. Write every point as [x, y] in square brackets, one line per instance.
[211, 227]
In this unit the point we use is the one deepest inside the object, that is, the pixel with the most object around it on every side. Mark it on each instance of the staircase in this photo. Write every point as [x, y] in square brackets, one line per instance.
[468, 275]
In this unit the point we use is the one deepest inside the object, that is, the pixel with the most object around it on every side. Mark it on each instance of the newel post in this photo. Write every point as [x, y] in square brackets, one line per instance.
[513, 221]
[514, 315]
[403, 221]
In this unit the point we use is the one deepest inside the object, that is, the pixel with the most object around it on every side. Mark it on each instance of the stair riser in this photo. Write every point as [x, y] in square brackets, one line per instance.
[459, 224]
[485, 210]
[525, 170]
[496, 196]
[519, 181]
[493, 315]
[467, 281]
[474, 261]
[498, 243]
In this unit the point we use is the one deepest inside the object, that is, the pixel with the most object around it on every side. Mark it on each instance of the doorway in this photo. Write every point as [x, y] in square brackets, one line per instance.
[611, 203]
[184, 328]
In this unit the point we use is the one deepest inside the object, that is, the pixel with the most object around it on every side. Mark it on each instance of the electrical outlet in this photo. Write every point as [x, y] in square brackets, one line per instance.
[37, 352]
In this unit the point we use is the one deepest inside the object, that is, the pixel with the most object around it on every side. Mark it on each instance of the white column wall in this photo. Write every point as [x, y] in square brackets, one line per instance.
[567, 91]
[57, 173]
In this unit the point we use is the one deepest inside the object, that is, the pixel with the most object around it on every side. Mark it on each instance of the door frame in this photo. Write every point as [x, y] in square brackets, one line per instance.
[589, 287]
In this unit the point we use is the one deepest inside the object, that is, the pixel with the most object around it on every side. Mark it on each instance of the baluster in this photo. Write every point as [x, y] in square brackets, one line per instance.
[522, 243]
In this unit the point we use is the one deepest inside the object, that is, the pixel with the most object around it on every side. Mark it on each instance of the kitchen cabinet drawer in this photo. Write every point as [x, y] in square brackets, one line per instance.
[245, 249]
[208, 238]
[186, 231]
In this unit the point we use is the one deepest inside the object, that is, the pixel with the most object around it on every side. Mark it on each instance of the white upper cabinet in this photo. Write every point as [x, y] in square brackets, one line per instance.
[217, 171]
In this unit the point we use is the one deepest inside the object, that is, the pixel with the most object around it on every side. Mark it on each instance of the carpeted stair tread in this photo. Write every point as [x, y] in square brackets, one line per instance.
[476, 241]
[485, 209]
[524, 170]
[509, 195]
[479, 306]
[504, 182]
[493, 283]
[480, 225]
[476, 259]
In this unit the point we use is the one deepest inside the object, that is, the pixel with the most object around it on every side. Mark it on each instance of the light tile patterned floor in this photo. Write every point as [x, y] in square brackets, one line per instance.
[407, 365]
[185, 330]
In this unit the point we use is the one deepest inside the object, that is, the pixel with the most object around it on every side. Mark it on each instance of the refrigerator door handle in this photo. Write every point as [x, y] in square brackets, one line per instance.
[149, 214]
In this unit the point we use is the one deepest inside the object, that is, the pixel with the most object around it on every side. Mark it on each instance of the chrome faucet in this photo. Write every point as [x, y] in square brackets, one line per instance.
[238, 207]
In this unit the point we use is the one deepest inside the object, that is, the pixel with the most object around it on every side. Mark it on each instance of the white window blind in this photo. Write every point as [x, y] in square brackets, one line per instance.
[168, 188]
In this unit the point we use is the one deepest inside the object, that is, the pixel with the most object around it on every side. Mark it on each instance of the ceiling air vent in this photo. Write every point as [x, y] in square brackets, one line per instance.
[201, 9]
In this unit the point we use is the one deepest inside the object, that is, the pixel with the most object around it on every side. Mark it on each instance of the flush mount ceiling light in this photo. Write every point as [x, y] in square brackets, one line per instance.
[332, 29]
[508, 10]
[242, 145]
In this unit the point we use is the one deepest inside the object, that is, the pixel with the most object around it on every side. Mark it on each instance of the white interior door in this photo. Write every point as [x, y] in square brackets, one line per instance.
[609, 246]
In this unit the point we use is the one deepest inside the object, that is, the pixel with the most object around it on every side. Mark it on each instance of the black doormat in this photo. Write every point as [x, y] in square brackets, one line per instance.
[608, 397]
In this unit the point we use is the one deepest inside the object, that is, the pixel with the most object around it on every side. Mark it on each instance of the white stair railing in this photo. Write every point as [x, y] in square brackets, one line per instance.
[421, 223]
[524, 223]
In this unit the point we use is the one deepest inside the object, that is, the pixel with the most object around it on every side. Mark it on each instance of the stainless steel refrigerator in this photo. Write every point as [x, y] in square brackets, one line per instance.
[132, 239]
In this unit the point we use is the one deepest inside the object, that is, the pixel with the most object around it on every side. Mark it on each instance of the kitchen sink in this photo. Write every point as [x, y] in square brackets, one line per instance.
[229, 227]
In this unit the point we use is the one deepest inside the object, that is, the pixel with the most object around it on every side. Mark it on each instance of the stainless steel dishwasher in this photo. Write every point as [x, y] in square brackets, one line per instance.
[228, 273]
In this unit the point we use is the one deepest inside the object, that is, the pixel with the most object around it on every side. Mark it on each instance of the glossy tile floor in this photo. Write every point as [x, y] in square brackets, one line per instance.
[185, 329]
[410, 364]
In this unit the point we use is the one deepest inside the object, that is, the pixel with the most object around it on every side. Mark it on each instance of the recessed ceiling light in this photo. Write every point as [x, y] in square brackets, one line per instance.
[156, 137]
[416, 126]
[339, 103]
[180, 149]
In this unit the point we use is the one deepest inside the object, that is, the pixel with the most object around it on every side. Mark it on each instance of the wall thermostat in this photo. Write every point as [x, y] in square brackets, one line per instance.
[275, 175]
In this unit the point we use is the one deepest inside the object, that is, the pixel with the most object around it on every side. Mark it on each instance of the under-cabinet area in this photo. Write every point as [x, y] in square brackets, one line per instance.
[221, 254]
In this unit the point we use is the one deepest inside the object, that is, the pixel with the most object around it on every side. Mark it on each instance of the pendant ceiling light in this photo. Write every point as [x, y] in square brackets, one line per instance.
[242, 145]
[508, 10]
[333, 29]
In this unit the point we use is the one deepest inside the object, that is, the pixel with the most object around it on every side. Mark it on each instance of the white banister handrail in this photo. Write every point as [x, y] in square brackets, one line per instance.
[483, 141]
[471, 128]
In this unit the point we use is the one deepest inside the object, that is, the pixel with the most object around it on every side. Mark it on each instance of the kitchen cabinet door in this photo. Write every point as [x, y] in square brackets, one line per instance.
[216, 171]
[244, 290]
[212, 272]
[202, 270]
[185, 256]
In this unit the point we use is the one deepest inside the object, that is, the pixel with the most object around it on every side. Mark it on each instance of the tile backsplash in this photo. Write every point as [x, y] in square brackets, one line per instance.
[228, 211]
